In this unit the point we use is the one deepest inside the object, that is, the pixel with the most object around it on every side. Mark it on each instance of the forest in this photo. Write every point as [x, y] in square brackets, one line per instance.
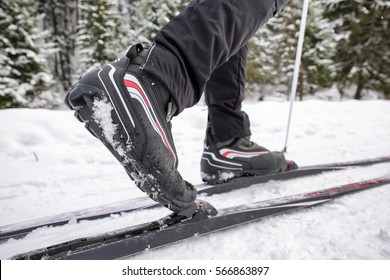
[45, 45]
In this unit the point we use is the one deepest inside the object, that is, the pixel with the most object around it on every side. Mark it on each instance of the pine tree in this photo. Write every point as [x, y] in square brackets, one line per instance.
[260, 62]
[60, 22]
[317, 65]
[363, 49]
[150, 16]
[273, 50]
[101, 36]
[24, 78]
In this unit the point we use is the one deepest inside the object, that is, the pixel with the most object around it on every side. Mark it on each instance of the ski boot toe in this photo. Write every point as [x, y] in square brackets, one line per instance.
[203, 210]
[290, 165]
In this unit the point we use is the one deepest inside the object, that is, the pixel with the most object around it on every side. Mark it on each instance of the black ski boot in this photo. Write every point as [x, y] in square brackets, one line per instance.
[130, 110]
[203, 210]
[240, 157]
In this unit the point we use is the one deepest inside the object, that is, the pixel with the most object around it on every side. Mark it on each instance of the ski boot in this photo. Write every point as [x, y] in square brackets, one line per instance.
[240, 157]
[203, 210]
[129, 110]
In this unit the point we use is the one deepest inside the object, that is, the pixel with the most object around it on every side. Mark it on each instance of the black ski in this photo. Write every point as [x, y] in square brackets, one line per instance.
[134, 240]
[19, 230]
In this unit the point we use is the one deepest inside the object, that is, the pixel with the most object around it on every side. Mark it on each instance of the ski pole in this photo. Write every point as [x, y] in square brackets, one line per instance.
[298, 57]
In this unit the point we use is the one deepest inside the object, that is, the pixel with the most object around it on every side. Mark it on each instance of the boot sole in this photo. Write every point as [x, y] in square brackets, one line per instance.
[227, 175]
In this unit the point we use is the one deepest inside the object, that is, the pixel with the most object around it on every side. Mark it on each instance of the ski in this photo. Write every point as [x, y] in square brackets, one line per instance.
[19, 230]
[137, 239]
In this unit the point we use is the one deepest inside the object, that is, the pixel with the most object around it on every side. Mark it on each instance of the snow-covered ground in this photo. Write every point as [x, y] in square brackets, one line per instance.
[49, 164]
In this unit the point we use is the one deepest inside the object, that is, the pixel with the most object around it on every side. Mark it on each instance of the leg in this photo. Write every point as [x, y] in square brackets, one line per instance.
[202, 38]
[228, 151]
[224, 94]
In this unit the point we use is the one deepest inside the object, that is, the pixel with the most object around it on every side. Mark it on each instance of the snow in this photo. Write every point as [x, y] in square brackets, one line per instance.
[50, 165]
[102, 115]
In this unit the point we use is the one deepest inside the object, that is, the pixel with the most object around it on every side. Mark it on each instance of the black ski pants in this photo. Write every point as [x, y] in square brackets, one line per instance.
[204, 49]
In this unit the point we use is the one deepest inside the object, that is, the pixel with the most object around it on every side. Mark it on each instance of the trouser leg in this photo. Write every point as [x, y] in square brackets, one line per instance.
[202, 38]
[224, 94]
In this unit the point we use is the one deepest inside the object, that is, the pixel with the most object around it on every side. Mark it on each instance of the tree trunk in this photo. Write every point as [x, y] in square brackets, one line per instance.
[360, 84]
[301, 82]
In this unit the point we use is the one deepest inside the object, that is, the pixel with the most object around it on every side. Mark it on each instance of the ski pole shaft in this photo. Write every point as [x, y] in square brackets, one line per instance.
[298, 57]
